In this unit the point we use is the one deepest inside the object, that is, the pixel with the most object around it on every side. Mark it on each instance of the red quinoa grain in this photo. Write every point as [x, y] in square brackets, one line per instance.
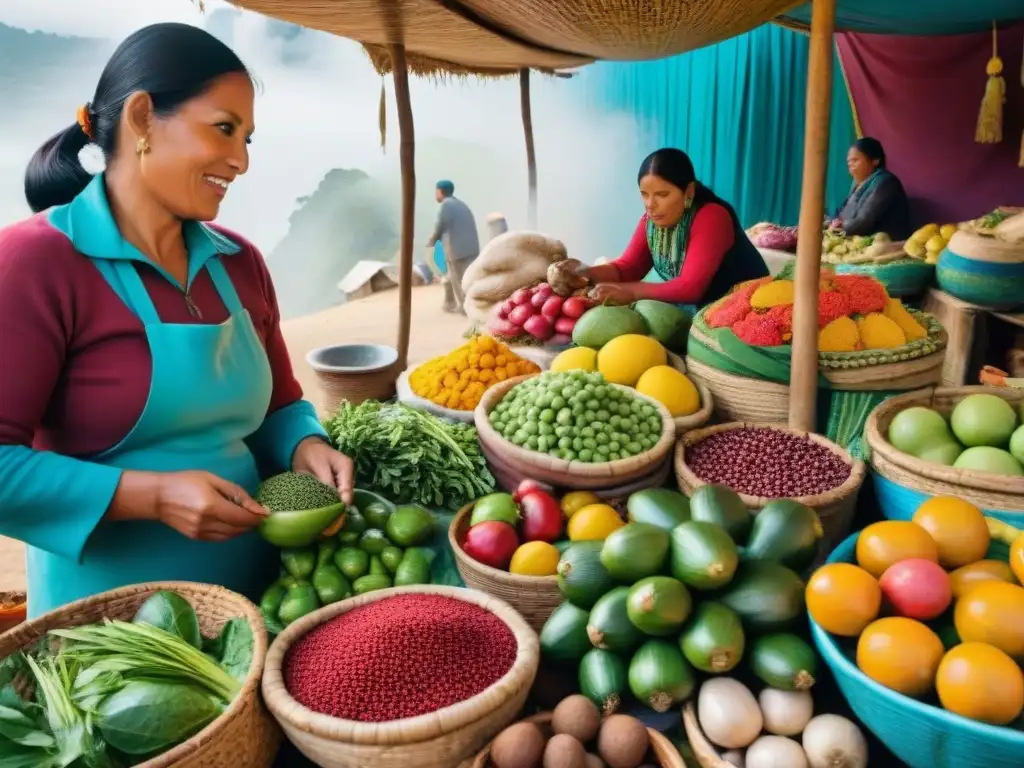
[759, 461]
[399, 657]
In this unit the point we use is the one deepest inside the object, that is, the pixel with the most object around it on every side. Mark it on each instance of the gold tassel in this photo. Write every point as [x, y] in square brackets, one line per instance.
[990, 119]
[382, 116]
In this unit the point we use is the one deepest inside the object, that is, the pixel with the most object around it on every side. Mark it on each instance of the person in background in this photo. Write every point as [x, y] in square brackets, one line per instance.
[877, 202]
[456, 230]
[691, 237]
[145, 386]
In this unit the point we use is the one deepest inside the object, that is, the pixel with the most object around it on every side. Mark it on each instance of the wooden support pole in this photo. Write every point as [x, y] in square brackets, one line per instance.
[407, 156]
[803, 382]
[531, 154]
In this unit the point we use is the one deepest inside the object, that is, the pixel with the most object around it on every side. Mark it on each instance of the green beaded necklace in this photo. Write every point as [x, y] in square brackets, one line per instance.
[668, 245]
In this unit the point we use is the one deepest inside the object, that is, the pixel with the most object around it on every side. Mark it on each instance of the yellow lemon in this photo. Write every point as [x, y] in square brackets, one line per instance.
[624, 359]
[575, 359]
[593, 523]
[671, 388]
[574, 501]
[534, 558]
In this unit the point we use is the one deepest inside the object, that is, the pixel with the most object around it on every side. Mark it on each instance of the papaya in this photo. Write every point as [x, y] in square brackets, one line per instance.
[784, 661]
[713, 640]
[767, 596]
[608, 625]
[659, 675]
[785, 532]
[564, 635]
[635, 551]
[582, 579]
[602, 678]
[600, 325]
[658, 605]
[722, 506]
[662, 507]
[703, 555]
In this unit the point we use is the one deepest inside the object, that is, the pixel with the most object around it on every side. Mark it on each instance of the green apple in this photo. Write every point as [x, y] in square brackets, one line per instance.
[984, 458]
[916, 429]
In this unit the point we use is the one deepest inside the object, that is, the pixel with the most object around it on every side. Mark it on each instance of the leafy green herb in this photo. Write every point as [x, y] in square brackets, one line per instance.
[172, 613]
[233, 648]
[410, 456]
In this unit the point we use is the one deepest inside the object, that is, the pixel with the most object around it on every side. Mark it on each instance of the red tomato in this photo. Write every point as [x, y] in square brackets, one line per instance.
[917, 588]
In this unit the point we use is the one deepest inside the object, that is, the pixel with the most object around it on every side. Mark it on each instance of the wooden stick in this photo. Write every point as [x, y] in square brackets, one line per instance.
[531, 155]
[803, 381]
[407, 155]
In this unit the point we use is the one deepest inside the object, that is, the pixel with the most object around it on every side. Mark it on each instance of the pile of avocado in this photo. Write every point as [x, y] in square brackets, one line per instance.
[687, 587]
[379, 546]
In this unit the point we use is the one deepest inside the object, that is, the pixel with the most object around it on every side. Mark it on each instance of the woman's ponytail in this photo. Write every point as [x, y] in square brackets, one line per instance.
[55, 175]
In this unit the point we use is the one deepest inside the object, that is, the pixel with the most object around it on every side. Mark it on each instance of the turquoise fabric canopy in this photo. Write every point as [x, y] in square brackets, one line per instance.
[738, 109]
[918, 17]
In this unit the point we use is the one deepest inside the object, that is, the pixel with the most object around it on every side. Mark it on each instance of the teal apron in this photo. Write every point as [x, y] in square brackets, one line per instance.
[210, 390]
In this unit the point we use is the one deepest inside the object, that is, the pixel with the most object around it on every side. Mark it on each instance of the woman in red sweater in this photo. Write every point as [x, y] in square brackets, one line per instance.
[691, 238]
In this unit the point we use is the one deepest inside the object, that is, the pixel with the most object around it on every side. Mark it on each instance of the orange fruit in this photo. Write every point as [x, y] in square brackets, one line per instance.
[978, 681]
[967, 576]
[901, 654]
[1017, 557]
[958, 528]
[890, 541]
[843, 599]
[992, 612]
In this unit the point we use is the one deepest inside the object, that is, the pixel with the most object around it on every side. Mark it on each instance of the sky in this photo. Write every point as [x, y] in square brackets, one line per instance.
[97, 18]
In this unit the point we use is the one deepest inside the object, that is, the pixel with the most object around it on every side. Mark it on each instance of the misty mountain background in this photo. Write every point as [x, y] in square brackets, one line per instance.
[320, 195]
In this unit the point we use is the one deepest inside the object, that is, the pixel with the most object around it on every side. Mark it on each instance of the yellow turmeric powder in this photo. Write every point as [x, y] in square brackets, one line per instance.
[896, 312]
[880, 332]
[773, 294]
[840, 335]
[459, 379]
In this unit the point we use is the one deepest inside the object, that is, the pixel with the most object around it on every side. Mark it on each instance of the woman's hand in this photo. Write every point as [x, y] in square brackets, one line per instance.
[203, 506]
[315, 457]
[616, 293]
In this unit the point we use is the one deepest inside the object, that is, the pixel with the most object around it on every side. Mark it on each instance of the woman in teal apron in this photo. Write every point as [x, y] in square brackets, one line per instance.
[689, 242]
[145, 387]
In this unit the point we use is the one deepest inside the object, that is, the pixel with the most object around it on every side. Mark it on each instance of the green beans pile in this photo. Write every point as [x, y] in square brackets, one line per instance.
[577, 416]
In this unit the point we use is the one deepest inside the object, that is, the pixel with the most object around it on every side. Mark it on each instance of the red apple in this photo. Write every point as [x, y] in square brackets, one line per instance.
[552, 307]
[565, 325]
[539, 327]
[528, 486]
[521, 314]
[491, 543]
[575, 306]
[916, 588]
[541, 517]
[521, 296]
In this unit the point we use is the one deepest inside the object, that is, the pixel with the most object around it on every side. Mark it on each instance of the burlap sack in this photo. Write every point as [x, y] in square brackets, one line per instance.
[509, 261]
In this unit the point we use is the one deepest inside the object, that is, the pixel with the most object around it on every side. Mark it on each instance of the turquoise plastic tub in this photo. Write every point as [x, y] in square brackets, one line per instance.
[985, 283]
[920, 734]
[898, 502]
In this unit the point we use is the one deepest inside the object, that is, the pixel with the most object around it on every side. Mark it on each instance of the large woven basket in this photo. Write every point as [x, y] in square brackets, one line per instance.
[245, 735]
[835, 508]
[442, 738]
[705, 752]
[665, 755]
[561, 473]
[535, 597]
[903, 482]
[901, 277]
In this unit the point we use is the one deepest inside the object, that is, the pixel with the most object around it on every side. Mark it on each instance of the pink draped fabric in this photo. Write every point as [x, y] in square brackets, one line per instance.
[920, 96]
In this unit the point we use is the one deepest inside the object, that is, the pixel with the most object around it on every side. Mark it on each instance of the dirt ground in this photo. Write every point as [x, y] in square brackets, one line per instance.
[373, 319]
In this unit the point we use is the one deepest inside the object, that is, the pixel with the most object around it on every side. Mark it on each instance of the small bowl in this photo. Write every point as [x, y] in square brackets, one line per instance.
[352, 358]
[354, 373]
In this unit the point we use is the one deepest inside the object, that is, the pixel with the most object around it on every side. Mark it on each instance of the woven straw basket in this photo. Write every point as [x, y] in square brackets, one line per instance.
[245, 735]
[561, 473]
[665, 755]
[835, 508]
[703, 749]
[442, 738]
[535, 597]
[903, 481]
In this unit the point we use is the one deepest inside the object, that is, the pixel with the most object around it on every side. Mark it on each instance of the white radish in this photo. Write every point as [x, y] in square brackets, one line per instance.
[728, 713]
[734, 757]
[786, 713]
[775, 752]
[831, 741]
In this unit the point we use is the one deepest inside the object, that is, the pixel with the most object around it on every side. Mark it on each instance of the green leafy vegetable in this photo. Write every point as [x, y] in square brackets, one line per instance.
[172, 613]
[149, 716]
[233, 648]
[410, 456]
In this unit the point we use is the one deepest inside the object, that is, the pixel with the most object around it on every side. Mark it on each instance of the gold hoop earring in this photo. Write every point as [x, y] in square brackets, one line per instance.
[689, 202]
[142, 145]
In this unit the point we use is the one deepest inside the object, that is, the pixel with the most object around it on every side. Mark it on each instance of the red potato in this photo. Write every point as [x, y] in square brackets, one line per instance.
[521, 314]
[501, 327]
[541, 517]
[539, 327]
[552, 307]
[502, 312]
[559, 340]
[575, 306]
[521, 296]
[544, 288]
[565, 325]
[917, 589]
[537, 300]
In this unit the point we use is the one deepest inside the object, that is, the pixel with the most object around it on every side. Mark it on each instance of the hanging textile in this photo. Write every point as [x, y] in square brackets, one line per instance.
[918, 17]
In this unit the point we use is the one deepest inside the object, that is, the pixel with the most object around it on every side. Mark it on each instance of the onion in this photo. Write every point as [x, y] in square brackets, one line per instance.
[775, 752]
[786, 713]
[831, 741]
[734, 757]
[728, 713]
